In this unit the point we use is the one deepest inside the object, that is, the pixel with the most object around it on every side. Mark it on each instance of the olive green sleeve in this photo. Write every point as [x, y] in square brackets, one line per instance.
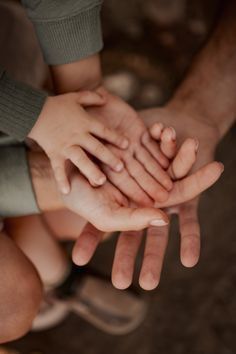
[67, 30]
[20, 106]
[16, 192]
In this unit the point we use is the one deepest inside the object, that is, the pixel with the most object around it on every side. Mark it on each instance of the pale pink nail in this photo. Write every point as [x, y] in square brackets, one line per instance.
[173, 133]
[222, 166]
[158, 222]
[119, 167]
[125, 144]
[101, 180]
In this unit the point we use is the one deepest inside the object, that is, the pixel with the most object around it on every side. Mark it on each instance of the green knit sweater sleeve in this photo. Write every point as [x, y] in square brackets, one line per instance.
[20, 106]
[67, 30]
[16, 191]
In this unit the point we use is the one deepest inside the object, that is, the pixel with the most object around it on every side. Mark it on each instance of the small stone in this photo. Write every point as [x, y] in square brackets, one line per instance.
[151, 94]
[167, 38]
[165, 12]
[123, 84]
[197, 27]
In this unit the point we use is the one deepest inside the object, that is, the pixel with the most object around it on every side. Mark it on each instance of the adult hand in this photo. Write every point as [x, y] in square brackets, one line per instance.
[107, 209]
[184, 190]
[186, 125]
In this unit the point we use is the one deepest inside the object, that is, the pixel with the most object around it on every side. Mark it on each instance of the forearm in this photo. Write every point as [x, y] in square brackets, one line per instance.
[83, 74]
[210, 85]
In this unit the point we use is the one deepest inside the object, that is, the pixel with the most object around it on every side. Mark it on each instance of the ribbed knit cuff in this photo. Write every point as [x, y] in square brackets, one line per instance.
[16, 192]
[20, 106]
[71, 38]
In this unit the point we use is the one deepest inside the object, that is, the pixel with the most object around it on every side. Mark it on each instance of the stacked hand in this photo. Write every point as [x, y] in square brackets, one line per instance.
[66, 131]
[184, 190]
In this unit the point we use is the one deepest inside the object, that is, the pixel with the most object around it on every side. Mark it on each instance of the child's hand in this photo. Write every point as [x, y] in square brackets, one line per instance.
[144, 179]
[67, 132]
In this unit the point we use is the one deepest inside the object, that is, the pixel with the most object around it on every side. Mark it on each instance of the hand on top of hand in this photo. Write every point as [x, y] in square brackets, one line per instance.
[66, 131]
[181, 200]
[144, 178]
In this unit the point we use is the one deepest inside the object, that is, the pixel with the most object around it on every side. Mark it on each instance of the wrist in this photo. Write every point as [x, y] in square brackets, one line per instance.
[197, 107]
[47, 195]
[85, 74]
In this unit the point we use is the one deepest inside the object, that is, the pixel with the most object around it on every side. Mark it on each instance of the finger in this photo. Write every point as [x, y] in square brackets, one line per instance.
[155, 248]
[153, 147]
[117, 195]
[168, 142]
[154, 169]
[191, 186]
[59, 169]
[102, 153]
[156, 130]
[124, 260]
[80, 159]
[110, 135]
[90, 98]
[128, 186]
[86, 245]
[145, 181]
[190, 233]
[127, 219]
[184, 160]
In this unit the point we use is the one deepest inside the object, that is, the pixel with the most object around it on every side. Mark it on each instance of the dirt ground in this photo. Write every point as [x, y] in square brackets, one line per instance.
[148, 46]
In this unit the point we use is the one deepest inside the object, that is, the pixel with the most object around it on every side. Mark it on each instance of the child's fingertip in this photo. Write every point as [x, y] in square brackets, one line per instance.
[196, 144]
[173, 133]
[65, 190]
[124, 144]
[101, 180]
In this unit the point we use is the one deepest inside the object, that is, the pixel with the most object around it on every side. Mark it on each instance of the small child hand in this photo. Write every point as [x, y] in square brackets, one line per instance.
[67, 132]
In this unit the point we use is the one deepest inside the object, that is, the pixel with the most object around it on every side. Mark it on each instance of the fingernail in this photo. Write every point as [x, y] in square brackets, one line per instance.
[101, 180]
[196, 145]
[222, 166]
[173, 133]
[65, 190]
[119, 167]
[125, 143]
[158, 222]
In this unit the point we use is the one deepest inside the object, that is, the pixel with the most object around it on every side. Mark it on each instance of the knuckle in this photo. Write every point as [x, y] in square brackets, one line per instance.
[99, 149]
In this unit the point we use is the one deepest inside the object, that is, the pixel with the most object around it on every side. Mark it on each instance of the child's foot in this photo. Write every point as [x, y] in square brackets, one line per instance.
[111, 311]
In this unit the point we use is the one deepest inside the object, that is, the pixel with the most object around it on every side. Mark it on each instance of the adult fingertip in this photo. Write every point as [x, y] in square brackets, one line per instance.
[148, 281]
[120, 283]
[190, 257]
[222, 167]
[158, 222]
[189, 262]
[79, 257]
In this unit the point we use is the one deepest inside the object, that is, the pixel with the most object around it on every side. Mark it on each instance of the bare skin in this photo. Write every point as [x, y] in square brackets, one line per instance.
[207, 112]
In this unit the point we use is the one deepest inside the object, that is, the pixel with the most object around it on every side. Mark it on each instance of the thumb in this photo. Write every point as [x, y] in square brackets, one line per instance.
[130, 219]
[90, 98]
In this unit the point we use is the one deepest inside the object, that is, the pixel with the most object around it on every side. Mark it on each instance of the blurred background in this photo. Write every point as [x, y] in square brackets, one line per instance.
[148, 47]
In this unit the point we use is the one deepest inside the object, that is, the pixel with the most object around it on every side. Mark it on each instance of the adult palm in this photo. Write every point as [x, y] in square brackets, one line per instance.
[183, 200]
